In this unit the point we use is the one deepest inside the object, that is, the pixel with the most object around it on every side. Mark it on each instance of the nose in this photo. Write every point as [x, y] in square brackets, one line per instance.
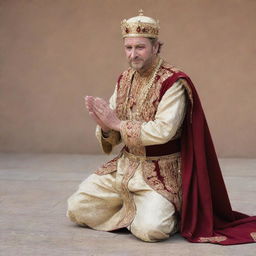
[133, 53]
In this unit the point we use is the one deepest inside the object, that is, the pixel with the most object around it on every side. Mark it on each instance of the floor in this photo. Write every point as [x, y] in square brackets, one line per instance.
[33, 193]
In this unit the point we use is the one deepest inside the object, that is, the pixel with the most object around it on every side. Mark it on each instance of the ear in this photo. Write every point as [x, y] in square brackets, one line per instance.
[155, 48]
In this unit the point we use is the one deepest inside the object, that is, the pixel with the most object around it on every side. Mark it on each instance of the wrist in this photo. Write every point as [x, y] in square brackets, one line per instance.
[105, 133]
[118, 126]
[105, 130]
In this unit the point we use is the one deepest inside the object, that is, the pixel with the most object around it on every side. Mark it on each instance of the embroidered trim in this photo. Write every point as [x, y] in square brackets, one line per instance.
[146, 88]
[129, 81]
[108, 167]
[148, 109]
[130, 86]
[130, 131]
[170, 171]
[123, 86]
[150, 176]
[128, 202]
[165, 178]
[212, 239]
[253, 235]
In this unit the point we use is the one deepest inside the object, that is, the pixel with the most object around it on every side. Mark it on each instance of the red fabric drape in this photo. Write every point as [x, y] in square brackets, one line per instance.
[206, 214]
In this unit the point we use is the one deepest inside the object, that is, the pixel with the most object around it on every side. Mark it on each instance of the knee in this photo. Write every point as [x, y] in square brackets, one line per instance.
[73, 206]
[149, 233]
[74, 209]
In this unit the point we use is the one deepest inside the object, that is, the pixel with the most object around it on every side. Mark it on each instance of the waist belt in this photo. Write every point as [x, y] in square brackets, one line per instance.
[148, 158]
[158, 151]
[171, 147]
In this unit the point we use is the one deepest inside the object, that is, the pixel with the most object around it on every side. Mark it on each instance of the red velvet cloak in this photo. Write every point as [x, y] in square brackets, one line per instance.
[206, 213]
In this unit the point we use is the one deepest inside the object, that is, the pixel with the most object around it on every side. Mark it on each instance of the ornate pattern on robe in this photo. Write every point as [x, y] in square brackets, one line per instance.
[158, 122]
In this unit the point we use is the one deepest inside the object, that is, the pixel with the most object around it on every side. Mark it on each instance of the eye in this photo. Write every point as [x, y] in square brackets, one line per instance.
[128, 47]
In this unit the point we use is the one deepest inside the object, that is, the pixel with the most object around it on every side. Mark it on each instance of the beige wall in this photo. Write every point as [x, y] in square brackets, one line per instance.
[53, 52]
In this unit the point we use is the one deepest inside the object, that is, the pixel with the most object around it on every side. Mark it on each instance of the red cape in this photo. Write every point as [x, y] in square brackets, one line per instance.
[206, 213]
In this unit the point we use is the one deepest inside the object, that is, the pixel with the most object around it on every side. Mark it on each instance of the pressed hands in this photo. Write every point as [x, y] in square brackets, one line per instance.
[102, 114]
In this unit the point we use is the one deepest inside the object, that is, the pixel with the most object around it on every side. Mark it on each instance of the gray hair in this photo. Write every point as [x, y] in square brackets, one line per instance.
[154, 41]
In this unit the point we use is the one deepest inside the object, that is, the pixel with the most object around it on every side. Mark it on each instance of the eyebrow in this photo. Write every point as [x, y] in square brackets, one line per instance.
[136, 45]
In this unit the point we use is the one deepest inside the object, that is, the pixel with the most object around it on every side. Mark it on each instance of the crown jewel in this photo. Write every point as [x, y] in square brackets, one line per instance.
[140, 26]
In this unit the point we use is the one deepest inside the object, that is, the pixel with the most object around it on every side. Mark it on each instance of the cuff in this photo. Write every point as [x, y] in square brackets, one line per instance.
[131, 133]
[113, 137]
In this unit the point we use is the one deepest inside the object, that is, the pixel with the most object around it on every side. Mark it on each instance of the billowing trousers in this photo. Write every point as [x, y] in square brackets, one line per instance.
[102, 202]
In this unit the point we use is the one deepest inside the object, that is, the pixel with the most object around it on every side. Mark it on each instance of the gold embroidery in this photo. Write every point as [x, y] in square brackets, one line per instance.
[150, 176]
[169, 170]
[149, 108]
[168, 181]
[127, 197]
[128, 95]
[130, 131]
[108, 167]
[129, 100]
[131, 127]
[146, 88]
[253, 235]
[212, 239]
[132, 82]
[122, 91]
[130, 85]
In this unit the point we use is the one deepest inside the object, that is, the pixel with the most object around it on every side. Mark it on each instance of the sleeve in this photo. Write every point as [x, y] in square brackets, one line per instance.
[108, 142]
[168, 119]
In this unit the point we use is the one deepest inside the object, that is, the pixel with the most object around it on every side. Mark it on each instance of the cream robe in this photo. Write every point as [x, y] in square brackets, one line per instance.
[168, 119]
[123, 198]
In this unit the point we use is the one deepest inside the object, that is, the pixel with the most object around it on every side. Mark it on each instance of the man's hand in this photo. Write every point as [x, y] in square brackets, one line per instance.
[106, 114]
[102, 114]
[89, 102]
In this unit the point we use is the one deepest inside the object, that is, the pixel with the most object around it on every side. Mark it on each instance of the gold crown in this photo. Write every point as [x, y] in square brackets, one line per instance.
[140, 26]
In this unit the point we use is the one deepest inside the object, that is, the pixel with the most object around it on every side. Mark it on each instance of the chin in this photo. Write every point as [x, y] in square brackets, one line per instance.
[136, 66]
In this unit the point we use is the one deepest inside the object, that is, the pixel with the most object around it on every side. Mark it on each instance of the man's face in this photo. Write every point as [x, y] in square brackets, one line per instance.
[139, 52]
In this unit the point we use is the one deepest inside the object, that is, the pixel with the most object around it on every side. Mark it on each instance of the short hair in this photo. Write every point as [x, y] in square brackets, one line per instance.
[154, 41]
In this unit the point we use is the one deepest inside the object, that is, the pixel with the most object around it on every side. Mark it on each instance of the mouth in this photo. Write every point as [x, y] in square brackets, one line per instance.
[136, 61]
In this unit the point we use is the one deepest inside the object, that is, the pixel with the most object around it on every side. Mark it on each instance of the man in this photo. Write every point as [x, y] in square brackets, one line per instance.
[167, 177]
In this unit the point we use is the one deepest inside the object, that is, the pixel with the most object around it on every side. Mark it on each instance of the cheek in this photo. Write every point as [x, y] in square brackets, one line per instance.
[146, 53]
[143, 53]
[127, 53]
